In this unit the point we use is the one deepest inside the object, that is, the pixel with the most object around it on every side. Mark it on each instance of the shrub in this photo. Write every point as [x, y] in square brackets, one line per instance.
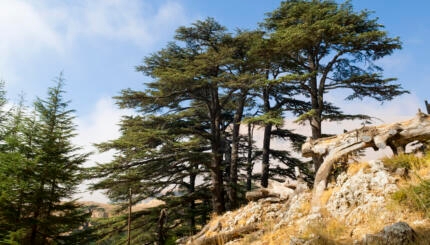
[408, 161]
[415, 197]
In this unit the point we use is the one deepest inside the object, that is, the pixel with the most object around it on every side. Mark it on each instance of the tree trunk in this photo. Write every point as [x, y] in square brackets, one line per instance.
[266, 155]
[192, 220]
[265, 161]
[427, 107]
[249, 164]
[217, 189]
[316, 134]
[160, 227]
[36, 216]
[217, 185]
[232, 190]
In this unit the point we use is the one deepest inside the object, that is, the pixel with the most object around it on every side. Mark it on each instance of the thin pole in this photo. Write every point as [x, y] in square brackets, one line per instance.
[129, 218]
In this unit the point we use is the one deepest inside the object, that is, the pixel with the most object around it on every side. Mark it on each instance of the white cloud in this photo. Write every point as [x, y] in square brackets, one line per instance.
[99, 126]
[25, 33]
[34, 28]
[134, 21]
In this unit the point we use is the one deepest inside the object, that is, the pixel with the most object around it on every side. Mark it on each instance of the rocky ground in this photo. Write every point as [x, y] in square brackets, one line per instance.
[358, 209]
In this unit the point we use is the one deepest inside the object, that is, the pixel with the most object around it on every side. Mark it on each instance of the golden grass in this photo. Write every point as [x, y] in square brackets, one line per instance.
[327, 194]
[280, 236]
[305, 208]
[355, 167]
[331, 229]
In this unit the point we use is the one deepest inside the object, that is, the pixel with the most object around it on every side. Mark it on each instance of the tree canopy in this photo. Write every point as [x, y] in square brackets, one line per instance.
[332, 47]
[191, 141]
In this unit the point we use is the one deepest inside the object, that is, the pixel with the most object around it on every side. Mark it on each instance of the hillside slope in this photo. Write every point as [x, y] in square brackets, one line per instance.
[358, 204]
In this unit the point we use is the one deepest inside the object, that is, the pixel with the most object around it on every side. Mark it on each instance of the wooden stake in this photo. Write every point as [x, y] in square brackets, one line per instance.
[428, 107]
[129, 217]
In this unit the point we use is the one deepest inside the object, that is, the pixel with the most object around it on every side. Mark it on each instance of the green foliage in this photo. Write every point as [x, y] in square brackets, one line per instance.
[328, 46]
[407, 161]
[415, 197]
[39, 171]
[156, 159]
[271, 117]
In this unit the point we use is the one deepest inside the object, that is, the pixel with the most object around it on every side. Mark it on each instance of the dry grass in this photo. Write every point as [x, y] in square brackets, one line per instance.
[332, 230]
[327, 194]
[305, 208]
[279, 236]
[407, 161]
[355, 167]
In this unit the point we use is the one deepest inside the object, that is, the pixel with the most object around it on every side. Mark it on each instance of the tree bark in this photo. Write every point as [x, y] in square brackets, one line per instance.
[249, 164]
[266, 155]
[192, 219]
[265, 161]
[232, 191]
[160, 227]
[427, 107]
[332, 149]
[217, 187]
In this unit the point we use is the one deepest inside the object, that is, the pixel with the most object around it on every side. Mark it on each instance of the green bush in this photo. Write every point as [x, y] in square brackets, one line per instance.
[415, 197]
[408, 161]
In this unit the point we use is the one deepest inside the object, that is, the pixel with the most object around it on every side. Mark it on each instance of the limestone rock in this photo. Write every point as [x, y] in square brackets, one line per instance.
[317, 240]
[362, 193]
[399, 233]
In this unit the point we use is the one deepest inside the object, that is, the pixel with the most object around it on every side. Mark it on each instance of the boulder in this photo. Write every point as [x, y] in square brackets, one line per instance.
[399, 233]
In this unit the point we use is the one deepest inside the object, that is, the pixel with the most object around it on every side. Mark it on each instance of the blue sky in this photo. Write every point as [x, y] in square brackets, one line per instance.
[97, 44]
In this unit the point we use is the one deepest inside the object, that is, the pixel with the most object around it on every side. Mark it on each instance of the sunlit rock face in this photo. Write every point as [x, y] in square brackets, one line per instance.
[355, 196]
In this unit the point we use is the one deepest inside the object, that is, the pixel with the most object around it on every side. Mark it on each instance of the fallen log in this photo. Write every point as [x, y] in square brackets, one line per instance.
[223, 237]
[332, 149]
[259, 194]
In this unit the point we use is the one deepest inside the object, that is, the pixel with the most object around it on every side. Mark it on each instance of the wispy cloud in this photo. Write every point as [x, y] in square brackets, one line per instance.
[40, 28]
[135, 21]
[100, 125]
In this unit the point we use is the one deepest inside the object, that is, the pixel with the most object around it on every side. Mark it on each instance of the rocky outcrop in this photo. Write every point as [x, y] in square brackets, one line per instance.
[355, 209]
[332, 149]
[362, 193]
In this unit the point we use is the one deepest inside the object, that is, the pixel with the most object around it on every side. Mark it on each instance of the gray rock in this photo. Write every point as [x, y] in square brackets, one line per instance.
[359, 194]
[399, 233]
[316, 240]
[402, 172]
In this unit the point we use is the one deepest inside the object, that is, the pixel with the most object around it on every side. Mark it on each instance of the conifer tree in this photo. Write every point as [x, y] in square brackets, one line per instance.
[275, 99]
[40, 173]
[157, 159]
[332, 48]
[194, 73]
